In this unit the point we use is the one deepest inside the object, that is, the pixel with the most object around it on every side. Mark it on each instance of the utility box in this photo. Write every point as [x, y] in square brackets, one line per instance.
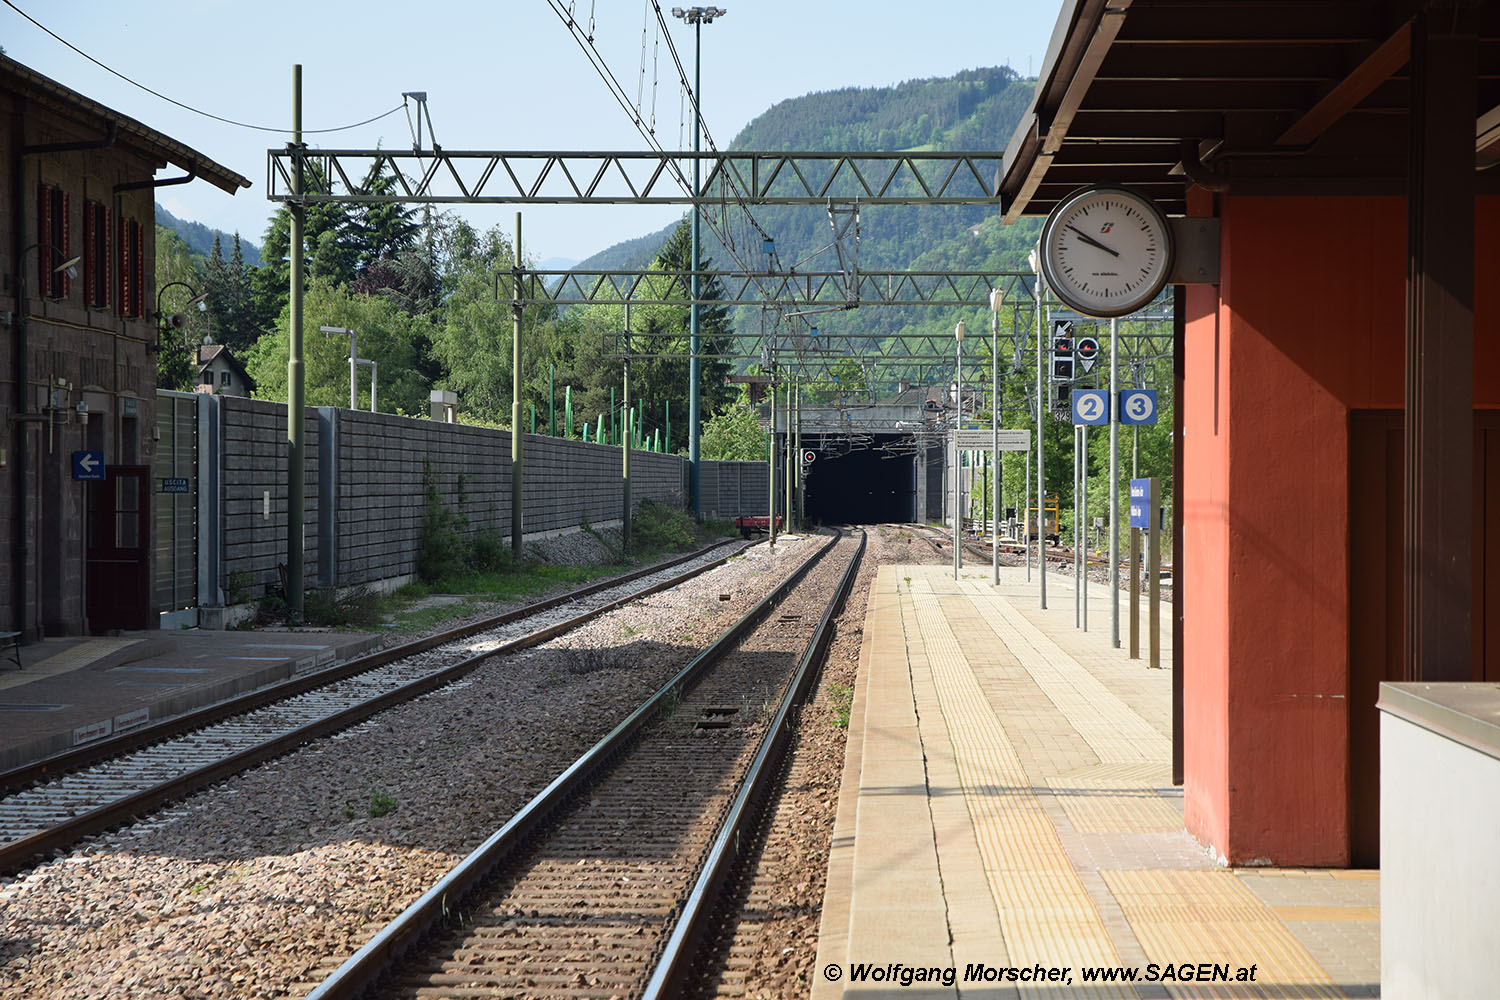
[444, 406]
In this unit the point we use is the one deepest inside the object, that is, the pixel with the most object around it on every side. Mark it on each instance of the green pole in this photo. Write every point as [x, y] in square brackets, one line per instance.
[627, 430]
[771, 471]
[614, 431]
[788, 475]
[599, 434]
[533, 418]
[657, 448]
[585, 433]
[516, 443]
[551, 401]
[295, 387]
[568, 412]
[669, 424]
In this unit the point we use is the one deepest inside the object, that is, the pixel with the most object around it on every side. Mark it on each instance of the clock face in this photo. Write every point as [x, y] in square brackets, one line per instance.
[1106, 251]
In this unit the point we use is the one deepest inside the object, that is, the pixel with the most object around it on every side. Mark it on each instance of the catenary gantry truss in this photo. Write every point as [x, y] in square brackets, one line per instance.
[815, 346]
[472, 177]
[832, 180]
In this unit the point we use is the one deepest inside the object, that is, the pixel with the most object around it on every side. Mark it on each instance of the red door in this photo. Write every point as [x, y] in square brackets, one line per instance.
[117, 595]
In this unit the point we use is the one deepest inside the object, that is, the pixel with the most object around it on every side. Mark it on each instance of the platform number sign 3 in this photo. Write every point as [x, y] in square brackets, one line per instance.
[1138, 406]
[1090, 406]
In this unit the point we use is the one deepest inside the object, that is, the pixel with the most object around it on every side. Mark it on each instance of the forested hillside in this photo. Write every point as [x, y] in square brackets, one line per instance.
[199, 239]
[977, 110]
[419, 286]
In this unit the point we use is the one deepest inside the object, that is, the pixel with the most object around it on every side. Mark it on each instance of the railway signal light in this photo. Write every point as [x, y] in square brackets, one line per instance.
[1086, 352]
[1062, 350]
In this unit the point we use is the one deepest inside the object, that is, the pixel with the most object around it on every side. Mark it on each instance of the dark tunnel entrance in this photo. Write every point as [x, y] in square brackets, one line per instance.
[871, 484]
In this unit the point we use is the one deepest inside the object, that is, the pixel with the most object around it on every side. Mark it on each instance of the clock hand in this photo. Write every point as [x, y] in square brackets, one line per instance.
[1093, 242]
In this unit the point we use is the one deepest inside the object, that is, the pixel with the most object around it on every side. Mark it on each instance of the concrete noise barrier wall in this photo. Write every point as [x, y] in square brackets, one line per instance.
[367, 476]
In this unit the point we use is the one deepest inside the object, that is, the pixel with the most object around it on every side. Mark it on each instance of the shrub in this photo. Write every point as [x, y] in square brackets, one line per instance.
[658, 528]
[489, 551]
[440, 549]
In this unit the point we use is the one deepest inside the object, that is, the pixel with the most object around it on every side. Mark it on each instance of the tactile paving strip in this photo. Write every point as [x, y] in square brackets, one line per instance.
[1115, 731]
[1117, 798]
[1045, 912]
[1183, 918]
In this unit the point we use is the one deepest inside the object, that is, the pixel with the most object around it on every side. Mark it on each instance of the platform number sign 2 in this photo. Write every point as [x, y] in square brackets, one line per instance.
[1090, 406]
[1138, 406]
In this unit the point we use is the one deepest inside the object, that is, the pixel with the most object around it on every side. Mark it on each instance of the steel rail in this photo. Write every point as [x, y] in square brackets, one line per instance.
[361, 970]
[23, 850]
[99, 750]
[737, 830]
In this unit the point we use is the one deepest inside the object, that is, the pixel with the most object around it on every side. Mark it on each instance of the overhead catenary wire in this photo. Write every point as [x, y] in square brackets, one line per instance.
[189, 107]
[727, 182]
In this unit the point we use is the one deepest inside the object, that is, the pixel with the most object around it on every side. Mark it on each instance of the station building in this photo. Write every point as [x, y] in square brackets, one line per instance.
[1338, 489]
[78, 369]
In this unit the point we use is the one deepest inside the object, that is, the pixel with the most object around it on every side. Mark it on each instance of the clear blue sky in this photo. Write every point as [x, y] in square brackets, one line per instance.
[504, 75]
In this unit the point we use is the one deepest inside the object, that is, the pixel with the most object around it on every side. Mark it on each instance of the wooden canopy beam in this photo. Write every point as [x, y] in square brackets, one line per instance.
[1374, 70]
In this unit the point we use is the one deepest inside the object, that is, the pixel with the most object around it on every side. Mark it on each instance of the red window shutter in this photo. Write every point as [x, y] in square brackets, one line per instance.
[140, 268]
[103, 256]
[43, 235]
[90, 262]
[67, 244]
[122, 259]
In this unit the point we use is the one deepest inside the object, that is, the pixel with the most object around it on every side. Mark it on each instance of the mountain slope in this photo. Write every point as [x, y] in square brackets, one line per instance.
[200, 238]
[975, 110]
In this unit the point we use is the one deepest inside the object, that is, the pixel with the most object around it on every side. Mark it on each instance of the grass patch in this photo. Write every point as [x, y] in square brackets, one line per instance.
[841, 703]
[381, 804]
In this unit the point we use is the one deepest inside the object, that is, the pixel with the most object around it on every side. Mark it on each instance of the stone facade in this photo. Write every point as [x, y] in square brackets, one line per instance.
[77, 252]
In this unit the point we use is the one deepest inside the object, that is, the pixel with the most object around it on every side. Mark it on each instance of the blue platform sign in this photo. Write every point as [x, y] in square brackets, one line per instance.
[1138, 406]
[88, 465]
[1090, 407]
[1140, 503]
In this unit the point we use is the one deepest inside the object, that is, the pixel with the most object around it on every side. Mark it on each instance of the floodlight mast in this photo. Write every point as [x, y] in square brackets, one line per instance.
[697, 17]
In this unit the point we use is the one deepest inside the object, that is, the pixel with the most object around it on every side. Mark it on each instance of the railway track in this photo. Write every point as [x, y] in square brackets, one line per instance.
[602, 884]
[1060, 555]
[54, 803]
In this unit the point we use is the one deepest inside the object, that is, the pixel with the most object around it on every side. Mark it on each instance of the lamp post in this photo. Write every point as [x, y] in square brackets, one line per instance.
[1041, 473]
[958, 423]
[353, 336]
[174, 367]
[697, 17]
[997, 299]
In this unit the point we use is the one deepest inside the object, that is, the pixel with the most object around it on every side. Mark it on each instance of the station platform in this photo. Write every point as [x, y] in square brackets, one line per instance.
[71, 690]
[1007, 826]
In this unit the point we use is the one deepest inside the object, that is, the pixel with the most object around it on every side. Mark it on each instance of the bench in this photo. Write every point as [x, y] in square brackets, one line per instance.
[11, 642]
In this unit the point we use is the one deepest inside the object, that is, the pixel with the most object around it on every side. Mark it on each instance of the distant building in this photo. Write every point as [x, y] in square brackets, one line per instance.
[220, 372]
[78, 303]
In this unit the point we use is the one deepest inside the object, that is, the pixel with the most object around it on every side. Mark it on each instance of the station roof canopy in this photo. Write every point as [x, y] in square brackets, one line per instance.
[1251, 96]
[163, 149]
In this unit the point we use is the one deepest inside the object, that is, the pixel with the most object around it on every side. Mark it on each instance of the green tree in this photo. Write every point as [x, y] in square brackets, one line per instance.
[327, 246]
[471, 340]
[385, 335]
[177, 354]
[734, 433]
[230, 302]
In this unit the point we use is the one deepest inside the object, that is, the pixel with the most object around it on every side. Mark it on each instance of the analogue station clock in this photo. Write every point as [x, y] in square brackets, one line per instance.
[1106, 251]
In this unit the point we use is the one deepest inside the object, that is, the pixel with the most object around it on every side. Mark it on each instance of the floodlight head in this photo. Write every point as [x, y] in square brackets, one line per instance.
[678, 12]
[997, 299]
[959, 331]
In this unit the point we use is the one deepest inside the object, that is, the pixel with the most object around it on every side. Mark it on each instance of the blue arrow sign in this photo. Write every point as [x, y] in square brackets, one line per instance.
[1090, 407]
[88, 465]
[1138, 406]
